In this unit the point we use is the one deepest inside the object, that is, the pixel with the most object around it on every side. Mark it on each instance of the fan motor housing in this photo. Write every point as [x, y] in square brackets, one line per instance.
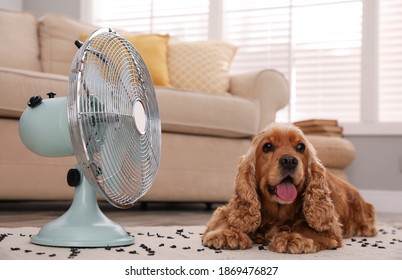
[44, 128]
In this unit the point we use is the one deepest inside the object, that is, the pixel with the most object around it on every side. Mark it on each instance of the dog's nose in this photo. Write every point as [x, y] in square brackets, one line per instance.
[288, 162]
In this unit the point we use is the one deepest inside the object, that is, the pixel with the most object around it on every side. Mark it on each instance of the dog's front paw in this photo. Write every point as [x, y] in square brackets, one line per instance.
[226, 239]
[294, 243]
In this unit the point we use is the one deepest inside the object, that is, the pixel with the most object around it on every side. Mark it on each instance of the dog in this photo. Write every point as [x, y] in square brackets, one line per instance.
[286, 199]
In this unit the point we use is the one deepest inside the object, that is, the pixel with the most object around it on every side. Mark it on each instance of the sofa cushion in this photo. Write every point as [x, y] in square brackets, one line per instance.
[57, 35]
[19, 46]
[17, 86]
[200, 66]
[189, 112]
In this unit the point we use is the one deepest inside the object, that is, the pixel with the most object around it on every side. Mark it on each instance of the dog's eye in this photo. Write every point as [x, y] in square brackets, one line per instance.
[300, 148]
[268, 147]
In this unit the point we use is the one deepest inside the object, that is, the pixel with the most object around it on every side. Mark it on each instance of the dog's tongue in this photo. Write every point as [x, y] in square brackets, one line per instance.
[286, 191]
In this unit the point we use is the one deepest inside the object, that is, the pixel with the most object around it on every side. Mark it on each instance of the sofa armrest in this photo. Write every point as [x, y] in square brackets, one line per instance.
[268, 86]
[17, 86]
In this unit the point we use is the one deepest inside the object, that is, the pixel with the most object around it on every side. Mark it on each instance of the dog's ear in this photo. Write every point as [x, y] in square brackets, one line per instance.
[318, 208]
[245, 205]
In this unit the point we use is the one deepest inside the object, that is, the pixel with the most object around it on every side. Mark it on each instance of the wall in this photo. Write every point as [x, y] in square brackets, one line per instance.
[15, 5]
[69, 8]
[378, 162]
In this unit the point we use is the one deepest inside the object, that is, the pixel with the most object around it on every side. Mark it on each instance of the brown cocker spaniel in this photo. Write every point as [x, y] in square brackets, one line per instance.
[285, 198]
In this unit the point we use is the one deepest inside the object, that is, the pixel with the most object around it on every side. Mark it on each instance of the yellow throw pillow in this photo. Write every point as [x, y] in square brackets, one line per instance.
[200, 66]
[153, 49]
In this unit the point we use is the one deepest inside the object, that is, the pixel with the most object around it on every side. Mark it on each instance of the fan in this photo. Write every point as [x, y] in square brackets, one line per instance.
[110, 122]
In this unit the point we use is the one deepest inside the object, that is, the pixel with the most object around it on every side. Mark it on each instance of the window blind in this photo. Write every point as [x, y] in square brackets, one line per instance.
[124, 15]
[261, 30]
[316, 44]
[390, 61]
[186, 20]
[326, 47]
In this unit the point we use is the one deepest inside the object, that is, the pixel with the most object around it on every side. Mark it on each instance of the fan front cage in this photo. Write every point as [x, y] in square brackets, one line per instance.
[113, 118]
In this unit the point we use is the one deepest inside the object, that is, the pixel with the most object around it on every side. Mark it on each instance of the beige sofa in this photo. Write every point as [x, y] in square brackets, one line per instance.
[208, 116]
[204, 131]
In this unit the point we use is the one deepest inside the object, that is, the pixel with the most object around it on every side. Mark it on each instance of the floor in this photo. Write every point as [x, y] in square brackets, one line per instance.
[151, 214]
[36, 214]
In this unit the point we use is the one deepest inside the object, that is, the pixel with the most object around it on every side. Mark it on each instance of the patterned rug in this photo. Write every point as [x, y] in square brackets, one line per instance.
[183, 242]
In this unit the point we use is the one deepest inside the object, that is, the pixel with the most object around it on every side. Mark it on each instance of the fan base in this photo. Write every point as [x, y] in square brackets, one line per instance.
[80, 244]
[91, 236]
[83, 225]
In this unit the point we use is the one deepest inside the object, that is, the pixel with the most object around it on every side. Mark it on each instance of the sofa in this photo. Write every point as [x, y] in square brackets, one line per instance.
[208, 116]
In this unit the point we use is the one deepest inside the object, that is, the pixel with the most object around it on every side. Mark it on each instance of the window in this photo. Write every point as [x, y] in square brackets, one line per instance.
[390, 61]
[317, 46]
[186, 20]
[342, 57]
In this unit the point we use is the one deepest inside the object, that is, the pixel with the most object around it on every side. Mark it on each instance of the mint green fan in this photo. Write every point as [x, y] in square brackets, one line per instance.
[110, 122]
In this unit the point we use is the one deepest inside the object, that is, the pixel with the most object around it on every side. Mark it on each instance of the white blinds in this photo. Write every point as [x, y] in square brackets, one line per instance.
[262, 30]
[123, 14]
[182, 19]
[317, 44]
[326, 47]
[390, 61]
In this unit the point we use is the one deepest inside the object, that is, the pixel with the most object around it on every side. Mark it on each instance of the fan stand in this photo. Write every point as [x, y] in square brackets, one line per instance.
[83, 225]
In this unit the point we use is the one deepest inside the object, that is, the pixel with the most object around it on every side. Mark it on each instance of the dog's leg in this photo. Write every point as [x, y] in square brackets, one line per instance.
[304, 240]
[292, 242]
[361, 221]
[219, 234]
[358, 218]
[226, 239]
[368, 223]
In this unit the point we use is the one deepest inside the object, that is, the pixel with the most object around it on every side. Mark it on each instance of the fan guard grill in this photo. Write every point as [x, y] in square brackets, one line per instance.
[108, 83]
